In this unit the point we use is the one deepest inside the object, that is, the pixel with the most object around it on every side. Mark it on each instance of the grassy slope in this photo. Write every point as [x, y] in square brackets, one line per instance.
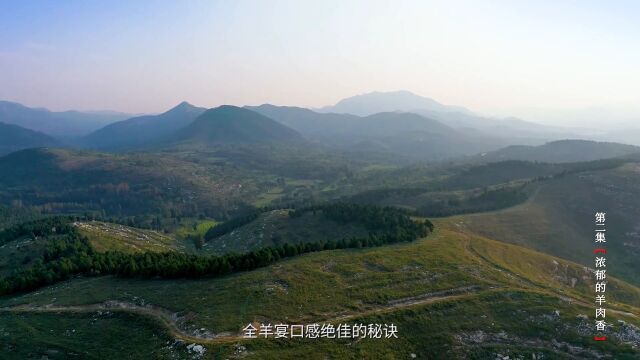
[518, 291]
[108, 236]
[559, 219]
[271, 228]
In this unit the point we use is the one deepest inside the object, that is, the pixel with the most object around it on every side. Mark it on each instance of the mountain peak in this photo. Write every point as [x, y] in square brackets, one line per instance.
[232, 124]
[183, 106]
[391, 101]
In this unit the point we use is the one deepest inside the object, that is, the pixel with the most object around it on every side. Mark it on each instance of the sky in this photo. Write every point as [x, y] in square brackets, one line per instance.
[542, 60]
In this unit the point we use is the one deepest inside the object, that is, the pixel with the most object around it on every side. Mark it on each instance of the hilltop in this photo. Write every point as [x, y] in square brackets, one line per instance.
[234, 125]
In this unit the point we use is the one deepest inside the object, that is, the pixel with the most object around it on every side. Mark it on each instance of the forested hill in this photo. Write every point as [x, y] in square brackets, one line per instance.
[14, 137]
[67, 253]
[234, 125]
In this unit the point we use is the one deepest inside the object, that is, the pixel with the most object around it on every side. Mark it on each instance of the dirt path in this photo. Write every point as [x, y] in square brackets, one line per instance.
[171, 320]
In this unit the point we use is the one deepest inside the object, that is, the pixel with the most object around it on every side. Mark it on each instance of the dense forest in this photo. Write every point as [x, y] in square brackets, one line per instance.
[230, 225]
[487, 200]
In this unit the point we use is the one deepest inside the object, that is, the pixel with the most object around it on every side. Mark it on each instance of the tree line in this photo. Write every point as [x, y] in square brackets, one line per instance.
[69, 253]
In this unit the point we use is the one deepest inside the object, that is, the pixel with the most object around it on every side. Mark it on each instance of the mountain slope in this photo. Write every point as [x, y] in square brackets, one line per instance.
[14, 137]
[142, 130]
[234, 125]
[558, 219]
[562, 151]
[64, 124]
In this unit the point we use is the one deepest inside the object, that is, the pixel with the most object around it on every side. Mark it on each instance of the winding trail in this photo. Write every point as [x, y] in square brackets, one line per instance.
[171, 320]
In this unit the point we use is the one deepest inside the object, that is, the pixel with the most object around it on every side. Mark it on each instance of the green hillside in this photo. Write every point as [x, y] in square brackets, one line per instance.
[559, 218]
[460, 293]
[453, 295]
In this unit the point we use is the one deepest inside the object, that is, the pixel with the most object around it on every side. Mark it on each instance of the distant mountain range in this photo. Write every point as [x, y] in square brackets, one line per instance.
[14, 137]
[187, 124]
[333, 124]
[409, 135]
[562, 151]
[389, 124]
[377, 102]
[65, 124]
[516, 130]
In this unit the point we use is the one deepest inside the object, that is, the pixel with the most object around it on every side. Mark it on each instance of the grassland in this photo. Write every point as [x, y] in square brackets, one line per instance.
[514, 301]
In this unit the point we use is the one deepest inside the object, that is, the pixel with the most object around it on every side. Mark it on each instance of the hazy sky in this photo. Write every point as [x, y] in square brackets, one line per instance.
[490, 56]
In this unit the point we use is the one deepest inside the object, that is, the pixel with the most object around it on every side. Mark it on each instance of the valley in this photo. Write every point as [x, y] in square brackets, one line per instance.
[225, 217]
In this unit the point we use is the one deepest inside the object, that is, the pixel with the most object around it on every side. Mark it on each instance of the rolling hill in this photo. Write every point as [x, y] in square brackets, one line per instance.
[558, 218]
[14, 137]
[143, 130]
[234, 125]
[64, 124]
[453, 295]
[562, 151]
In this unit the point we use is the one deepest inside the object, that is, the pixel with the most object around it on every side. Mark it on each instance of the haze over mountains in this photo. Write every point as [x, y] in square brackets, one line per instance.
[65, 124]
[562, 151]
[454, 116]
[397, 124]
[375, 102]
[404, 134]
